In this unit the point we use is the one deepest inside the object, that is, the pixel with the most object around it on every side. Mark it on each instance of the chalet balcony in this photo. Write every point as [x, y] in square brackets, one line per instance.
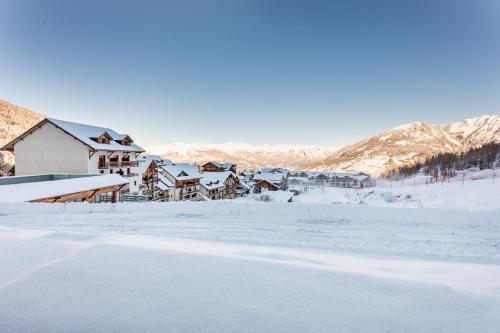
[130, 175]
[126, 164]
[123, 164]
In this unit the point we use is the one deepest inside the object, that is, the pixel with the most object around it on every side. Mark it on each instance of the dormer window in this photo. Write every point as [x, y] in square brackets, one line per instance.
[126, 141]
[104, 138]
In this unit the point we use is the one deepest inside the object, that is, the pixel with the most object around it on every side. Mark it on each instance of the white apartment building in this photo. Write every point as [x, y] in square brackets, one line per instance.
[55, 146]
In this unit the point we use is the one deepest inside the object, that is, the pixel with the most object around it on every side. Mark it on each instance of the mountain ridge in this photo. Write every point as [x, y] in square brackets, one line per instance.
[410, 143]
[399, 146]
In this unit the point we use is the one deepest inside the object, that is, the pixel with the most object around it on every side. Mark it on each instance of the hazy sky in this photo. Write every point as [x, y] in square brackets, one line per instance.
[310, 72]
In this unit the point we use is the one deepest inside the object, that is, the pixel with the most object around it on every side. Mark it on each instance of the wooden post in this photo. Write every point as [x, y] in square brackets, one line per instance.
[114, 196]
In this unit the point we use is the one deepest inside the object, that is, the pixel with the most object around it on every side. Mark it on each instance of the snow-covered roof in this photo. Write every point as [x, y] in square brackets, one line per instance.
[273, 177]
[36, 190]
[164, 183]
[279, 170]
[212, 180]
[224, 166]
[87, 134]
[244, 184]
[182, 171]
[145, 162]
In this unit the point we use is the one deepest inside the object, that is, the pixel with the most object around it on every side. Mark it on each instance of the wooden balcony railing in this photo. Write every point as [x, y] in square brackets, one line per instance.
[123, 164]
[130, 175]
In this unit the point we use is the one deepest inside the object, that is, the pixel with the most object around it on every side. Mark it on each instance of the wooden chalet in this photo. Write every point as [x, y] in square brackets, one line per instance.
[214, 166]
[265, 185]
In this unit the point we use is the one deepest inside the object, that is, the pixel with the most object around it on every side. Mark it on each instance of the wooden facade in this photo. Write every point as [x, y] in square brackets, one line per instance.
[218, 167]
[87, 196]
[264, 185]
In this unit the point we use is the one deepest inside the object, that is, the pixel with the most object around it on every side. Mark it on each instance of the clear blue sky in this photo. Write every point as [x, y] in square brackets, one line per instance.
[311, 72]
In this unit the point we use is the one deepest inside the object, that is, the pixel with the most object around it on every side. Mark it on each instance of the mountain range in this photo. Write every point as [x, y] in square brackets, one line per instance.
[410, 143]
[245, 155]
[402, 145]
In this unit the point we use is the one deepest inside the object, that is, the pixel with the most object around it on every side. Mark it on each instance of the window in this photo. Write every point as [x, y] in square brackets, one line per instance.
[102, 161]
[135, 182]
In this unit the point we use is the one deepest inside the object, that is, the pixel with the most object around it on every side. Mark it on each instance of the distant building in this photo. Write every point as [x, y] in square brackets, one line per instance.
[264, 186]
[219, 185]
[213, 166]
[61, 147]
[270, 181]
[320, 178]
[352, 180]
[247, 174]
[276, 170]
[182, 181]
[243, 188]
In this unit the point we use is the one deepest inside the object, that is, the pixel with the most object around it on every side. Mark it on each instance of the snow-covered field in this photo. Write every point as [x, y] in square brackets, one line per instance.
[249, 266]
[478, 195]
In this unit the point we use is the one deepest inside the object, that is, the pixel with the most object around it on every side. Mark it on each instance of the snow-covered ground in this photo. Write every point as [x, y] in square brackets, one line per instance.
[473, 195]
[250, 266]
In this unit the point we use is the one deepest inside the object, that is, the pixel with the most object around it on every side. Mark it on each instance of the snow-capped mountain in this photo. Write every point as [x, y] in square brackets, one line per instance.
[401, 145]
[14, 120]
[410, 143]
[245, 155]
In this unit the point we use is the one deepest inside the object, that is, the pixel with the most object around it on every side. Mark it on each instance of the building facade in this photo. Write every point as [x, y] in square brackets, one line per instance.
[55, 146]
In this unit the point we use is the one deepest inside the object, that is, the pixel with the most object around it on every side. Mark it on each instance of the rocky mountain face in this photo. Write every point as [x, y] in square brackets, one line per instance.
[14, 120]
[410, 143]
[245, 155]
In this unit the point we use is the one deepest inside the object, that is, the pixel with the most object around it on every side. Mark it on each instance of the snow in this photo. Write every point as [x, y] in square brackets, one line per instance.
[271, 196]
[275, 177]
[249, 266]
[213, 180]
[46, 189]
[85, 133]
[182, 171]
[479, 195]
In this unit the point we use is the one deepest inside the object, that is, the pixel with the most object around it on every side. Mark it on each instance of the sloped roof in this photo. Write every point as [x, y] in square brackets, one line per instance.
[212, 180]
[273, 177]
[30, 191]
[279, 170]
[267, 181]
[146, 160]
[85, 134]
[164, 183]
[225, 166]
[244, 183]
[182, 171]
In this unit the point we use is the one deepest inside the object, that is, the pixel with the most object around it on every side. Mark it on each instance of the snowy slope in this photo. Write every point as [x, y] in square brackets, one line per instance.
[409, 143]
[14, 120]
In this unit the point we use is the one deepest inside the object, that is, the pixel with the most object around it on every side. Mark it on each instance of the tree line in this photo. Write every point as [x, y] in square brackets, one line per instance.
[447, 165]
